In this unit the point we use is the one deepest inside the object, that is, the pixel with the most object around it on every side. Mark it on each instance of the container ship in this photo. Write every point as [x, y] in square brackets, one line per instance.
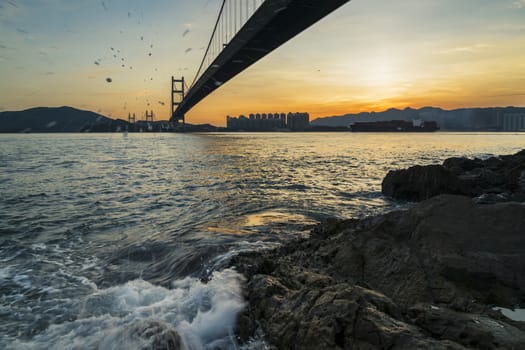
[395, 126]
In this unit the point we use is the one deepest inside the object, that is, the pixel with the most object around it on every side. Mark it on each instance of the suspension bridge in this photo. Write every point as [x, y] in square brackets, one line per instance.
[245, 31]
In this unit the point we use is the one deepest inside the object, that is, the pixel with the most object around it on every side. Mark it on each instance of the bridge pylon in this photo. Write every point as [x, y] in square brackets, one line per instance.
[177, 96]
[150, 117]
[131, 118]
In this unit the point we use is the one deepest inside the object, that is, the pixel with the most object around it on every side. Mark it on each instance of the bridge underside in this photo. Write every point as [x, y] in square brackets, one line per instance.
[274, 23]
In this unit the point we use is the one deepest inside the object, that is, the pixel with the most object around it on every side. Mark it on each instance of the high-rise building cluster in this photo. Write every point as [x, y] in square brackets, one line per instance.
[512, 121]
[269, 122]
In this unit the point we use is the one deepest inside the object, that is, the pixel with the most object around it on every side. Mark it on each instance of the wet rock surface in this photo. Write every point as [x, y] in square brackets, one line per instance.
[424, 278]
[157, 336]
[496, 179]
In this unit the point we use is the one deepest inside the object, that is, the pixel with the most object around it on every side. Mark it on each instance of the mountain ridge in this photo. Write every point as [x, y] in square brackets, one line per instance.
[476, 118]
[57, 119]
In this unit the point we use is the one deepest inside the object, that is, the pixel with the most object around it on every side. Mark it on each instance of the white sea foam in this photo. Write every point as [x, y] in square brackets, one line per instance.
[137, 315]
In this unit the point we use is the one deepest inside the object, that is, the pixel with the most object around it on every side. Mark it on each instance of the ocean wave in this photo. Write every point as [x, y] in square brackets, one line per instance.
[140, 315]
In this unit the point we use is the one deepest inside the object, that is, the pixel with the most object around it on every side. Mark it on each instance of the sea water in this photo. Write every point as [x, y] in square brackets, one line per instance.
[113, 242]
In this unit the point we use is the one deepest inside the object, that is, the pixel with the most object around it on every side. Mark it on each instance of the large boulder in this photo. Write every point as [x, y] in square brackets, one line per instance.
[444, 250]
[496, 179]
[459, 165]
[420, 182]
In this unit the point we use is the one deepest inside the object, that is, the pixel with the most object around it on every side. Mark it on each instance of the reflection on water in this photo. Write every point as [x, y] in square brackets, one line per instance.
[272, 217]
[266, 222]
[85, 216]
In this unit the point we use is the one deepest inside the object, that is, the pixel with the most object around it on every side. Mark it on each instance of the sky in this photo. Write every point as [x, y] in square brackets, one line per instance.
[369, 55]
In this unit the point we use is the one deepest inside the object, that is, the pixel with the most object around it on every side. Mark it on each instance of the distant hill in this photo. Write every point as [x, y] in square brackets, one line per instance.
[59, 119]
[490, 119]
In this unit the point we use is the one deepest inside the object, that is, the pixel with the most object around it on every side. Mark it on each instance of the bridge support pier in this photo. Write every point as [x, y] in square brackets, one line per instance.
[177, 96]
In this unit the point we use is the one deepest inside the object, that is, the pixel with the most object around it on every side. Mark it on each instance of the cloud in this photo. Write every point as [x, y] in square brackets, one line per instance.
[518, 4]
[508, 27]
[507, 95]
[463, 49]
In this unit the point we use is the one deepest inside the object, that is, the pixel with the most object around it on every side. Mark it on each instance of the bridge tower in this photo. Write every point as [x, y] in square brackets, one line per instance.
[149, 116]
[177, 96]
[131, 119]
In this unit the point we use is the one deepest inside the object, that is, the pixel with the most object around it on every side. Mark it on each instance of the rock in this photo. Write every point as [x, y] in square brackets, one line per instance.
[459, 165]
[469, 330]
[416, 279]
[420, 182]
[157, 335]
[339, 316]
[472, 177]
[521, 181]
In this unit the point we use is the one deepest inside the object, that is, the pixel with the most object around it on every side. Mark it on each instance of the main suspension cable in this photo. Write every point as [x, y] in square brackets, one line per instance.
[209, 44]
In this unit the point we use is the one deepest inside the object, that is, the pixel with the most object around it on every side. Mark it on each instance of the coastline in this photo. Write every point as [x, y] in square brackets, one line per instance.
[431, 276]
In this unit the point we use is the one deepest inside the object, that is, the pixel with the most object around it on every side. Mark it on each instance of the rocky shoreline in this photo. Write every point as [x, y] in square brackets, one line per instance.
[424, 278]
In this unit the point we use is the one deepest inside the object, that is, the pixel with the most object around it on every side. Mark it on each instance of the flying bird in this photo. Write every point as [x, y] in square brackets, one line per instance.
[109, 80]
[185, 32]
[188, 49]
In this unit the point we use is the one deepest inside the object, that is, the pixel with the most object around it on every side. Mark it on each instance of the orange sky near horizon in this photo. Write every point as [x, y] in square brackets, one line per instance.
[367, 56]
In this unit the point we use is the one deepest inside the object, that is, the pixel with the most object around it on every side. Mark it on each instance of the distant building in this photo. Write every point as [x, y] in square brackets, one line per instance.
[269, 122]
[512, 122]
[298, 121]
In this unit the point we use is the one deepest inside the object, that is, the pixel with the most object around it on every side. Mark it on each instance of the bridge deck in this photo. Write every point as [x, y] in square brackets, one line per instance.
[274, 23]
